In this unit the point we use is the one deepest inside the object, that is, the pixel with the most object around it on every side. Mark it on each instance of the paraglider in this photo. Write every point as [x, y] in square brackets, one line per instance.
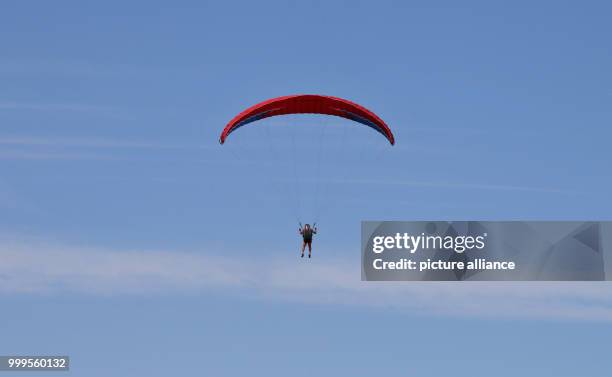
[308, 104]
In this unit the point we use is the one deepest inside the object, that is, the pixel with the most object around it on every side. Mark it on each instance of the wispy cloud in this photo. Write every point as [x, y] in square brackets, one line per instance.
[38, 267]
[65, 107]
[53, 148]
[70, 68]
[83, 143]
[53, 155]
[9, 105]
[455, 185]
[48, 66]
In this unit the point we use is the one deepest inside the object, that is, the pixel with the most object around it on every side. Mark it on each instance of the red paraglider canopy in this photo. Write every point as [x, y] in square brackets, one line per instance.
[312, 104]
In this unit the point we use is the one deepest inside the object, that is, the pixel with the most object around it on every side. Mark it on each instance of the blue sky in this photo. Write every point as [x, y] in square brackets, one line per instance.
[131, 237]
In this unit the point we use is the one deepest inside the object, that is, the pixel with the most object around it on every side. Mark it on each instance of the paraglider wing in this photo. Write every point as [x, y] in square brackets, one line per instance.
[308, 104]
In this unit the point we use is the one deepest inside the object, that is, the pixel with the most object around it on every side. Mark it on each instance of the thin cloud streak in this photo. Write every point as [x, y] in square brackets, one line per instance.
[455, 185]
[50, 106]
[41, 148]
[40, 268]
[48, 156]
[83, 143]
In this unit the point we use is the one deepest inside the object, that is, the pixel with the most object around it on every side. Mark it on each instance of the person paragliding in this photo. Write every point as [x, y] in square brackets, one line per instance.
[307, 232]
[308, 104]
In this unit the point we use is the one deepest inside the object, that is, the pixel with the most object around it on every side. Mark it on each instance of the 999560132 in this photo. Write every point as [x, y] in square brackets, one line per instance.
[34, 363]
